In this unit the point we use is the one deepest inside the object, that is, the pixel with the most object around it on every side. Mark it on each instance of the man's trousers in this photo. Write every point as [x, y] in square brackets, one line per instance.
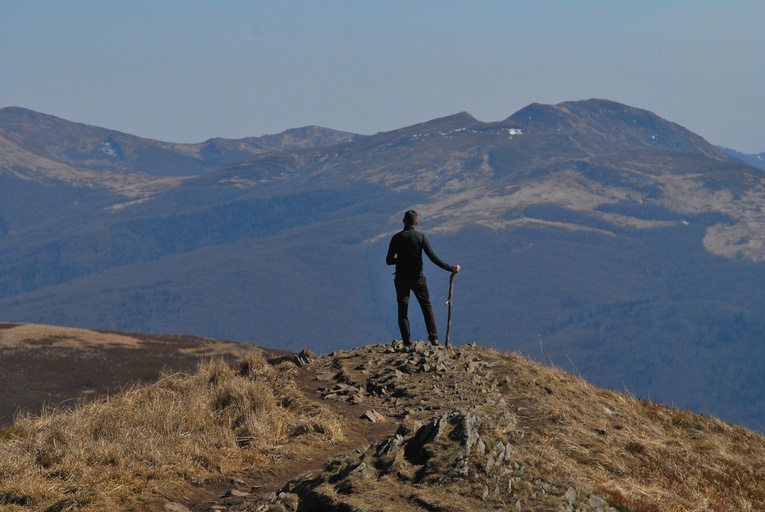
[419, 286]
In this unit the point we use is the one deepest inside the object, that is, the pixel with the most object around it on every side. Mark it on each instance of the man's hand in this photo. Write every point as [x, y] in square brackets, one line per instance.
[456, 268]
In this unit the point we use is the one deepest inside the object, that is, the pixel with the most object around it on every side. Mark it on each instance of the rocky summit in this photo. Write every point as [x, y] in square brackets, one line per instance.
[471, 428]
[382, 427]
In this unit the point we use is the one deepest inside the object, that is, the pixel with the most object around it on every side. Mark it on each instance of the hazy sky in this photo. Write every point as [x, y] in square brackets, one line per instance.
[185, 71]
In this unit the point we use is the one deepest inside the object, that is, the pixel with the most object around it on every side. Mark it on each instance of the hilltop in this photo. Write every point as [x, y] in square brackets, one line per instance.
[379, 427]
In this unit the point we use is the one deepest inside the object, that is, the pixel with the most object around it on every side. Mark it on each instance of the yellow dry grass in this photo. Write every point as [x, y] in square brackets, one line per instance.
[154, 442]
[24, 336]
[639, 455]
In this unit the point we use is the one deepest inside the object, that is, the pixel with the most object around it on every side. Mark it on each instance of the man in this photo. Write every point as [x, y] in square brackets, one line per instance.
[405, 251]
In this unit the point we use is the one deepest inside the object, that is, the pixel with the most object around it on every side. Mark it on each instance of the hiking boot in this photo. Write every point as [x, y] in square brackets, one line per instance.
[434, 341]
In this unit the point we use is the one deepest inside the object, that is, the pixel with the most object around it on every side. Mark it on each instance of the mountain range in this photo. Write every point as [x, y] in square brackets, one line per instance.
[592, 235]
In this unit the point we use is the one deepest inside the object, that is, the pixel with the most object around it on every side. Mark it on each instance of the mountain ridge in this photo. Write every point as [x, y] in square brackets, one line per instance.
[755, 160]
[100, 149]
[601, 116]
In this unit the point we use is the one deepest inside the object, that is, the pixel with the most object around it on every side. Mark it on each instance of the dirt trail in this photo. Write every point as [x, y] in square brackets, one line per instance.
[359, 434]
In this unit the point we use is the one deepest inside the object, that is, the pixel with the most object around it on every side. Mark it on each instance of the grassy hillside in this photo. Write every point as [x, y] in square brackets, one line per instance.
[380, 427]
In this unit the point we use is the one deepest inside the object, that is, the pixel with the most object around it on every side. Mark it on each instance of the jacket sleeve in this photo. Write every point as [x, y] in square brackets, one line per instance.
[432, 255]
[390, 258]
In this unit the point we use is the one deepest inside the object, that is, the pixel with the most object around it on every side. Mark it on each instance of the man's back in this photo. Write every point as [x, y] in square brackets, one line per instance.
[405, 251]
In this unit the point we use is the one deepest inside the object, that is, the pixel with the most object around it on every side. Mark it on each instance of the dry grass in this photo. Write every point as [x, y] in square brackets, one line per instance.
[155, 441]
[151, 444]
[639, 455]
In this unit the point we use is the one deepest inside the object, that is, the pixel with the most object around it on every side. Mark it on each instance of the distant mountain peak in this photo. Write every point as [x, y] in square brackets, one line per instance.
[613, 123]
[448, 123]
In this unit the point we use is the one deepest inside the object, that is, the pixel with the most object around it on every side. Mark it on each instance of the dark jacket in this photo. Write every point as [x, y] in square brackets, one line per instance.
[405, 251]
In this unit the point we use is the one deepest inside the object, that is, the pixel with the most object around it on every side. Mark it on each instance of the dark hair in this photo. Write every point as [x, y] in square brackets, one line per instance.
[410, 218]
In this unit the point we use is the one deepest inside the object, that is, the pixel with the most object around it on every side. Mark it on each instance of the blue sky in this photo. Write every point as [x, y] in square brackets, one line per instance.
[185, 71]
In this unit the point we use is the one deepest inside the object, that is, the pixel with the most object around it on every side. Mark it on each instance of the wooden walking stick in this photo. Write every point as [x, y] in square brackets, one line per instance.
[448, 302]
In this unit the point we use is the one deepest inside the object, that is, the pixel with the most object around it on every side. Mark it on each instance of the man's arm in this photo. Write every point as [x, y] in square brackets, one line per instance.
[435, 259]
[390, 258]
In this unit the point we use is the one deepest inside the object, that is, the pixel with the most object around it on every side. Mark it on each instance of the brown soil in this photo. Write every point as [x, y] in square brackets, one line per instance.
[43, 367]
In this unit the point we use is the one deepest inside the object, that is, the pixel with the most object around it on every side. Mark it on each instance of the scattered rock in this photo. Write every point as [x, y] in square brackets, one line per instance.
[466, 433]
[354, 478]
[236, 493]
[355, 399]
[373, 416]
[389, 446]
[598, 503]
[176, 507]
[342, 392]
[498, 455]
[304, 357]
[472, 448]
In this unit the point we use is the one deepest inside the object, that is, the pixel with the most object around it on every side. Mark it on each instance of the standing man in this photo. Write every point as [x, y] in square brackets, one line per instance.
[405, 251]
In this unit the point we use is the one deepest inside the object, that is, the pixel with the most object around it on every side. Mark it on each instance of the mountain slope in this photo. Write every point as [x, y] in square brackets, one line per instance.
[380, 427]
[591, 233]
[757, 160]
[614, 126]
[100, 149]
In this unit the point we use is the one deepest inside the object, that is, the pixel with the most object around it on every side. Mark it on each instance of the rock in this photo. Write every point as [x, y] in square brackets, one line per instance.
[498, 455]
[598, 503]
[361, 470]
[424, 435]
[570, 495]
[354, 478]
[239, 483]
[175, 507]
[389, 446]
[466, 433]
[304, 357]
[236, 493]
[373, 416]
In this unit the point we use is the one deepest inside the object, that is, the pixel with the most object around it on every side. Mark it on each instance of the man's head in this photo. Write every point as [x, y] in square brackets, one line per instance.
[410, 218]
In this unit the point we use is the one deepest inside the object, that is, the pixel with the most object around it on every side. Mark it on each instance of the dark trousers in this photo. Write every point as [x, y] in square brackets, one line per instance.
[419, 286]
